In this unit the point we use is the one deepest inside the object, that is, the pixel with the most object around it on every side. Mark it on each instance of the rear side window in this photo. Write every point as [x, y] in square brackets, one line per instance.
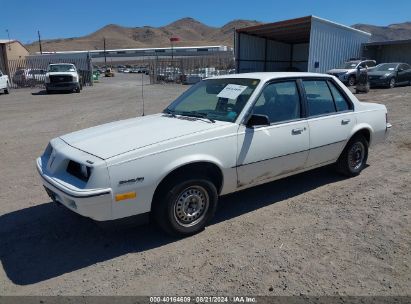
[340, 101]
[319, 98]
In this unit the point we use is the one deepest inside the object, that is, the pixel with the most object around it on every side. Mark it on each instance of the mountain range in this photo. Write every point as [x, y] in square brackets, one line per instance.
[191, 33]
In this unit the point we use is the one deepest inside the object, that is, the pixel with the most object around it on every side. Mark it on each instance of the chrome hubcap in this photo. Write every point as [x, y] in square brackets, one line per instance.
[356, 156]
[191, 206]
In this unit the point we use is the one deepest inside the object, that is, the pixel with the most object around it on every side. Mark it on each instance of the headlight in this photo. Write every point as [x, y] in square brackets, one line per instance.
[75, 78]
[385, 75]
[47, 79]
[80, 171]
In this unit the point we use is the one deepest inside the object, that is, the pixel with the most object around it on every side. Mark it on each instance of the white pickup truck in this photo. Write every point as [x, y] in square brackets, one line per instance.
[224, 134]
[62, 77]
[4, 83]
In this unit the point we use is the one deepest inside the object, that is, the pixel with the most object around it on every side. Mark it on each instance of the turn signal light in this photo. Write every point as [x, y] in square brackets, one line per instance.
[124, 196]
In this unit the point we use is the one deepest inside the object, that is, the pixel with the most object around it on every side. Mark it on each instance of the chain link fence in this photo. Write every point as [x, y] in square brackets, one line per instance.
[31, 72]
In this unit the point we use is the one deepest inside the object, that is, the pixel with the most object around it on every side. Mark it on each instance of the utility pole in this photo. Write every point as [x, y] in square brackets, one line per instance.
[105, 57]
[41, 50]
[8, 35]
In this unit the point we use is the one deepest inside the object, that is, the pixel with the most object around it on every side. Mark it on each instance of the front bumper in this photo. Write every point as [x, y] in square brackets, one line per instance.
[92, 203]
[62, 86]
[388, 127]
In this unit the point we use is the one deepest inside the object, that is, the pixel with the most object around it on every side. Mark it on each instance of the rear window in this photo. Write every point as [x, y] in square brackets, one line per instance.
[340, 102]
[319, 98]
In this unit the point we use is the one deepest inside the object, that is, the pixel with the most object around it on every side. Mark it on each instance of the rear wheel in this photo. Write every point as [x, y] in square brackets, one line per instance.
[354, 156]
[185, 207]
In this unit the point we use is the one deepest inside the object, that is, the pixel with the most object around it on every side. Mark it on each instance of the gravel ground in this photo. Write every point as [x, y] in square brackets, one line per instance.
[315, 233]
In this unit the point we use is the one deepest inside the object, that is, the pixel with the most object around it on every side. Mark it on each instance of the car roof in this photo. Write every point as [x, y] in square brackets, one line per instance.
[266, 76]
[61, 63]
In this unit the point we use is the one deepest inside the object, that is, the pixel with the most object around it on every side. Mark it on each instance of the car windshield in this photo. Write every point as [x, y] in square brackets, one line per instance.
[386, 67]
[61, 68]
[349, 65]
[214, 99]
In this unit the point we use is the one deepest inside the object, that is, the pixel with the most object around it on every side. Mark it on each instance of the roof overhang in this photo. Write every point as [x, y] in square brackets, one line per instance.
[287, 31]
[389, 42]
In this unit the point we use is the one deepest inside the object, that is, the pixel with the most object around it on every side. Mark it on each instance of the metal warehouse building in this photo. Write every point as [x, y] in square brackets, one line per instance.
[388, 51]
[308, 44]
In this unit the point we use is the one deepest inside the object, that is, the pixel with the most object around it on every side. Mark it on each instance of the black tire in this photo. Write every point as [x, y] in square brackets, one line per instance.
[392, 82]
[77, 90]
[185, 207]
[351, 81]
[354, 156]
[7, 89]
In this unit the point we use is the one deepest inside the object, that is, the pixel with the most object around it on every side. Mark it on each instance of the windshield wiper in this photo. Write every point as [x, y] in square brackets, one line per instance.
[171, 112]
[197, 114]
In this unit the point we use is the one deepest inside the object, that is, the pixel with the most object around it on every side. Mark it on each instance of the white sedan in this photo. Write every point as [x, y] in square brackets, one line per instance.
[224, 134]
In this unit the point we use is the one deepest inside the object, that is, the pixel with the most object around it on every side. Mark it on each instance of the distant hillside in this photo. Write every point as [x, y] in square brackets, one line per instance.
[383, 33]
[191, 32]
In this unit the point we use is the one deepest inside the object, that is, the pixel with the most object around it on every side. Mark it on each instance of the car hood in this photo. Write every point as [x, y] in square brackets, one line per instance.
[61, 73]
[339, 71]
[119, 137]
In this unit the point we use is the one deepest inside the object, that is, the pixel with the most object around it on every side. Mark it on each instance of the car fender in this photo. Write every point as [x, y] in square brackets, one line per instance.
[362, 126]
[187, 160]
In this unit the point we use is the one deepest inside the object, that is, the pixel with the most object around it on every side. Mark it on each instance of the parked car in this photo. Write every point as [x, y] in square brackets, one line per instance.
[224, 134]
[390, 74]
[109, 72]
[29, 77]
[62, 77]
[348, 71]
[4, 83]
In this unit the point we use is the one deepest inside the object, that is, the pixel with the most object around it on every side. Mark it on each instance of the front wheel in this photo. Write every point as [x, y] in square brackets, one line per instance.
[186, 207]
[392, 83]
[354, 156]
[351, 81]
[7, 89]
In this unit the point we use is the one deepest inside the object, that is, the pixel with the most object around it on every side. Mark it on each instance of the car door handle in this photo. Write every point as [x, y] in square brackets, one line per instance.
[345, 121]
[297, 131]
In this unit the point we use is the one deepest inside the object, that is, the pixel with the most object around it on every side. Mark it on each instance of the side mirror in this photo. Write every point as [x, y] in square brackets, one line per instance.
[400, 69]
[258, 120]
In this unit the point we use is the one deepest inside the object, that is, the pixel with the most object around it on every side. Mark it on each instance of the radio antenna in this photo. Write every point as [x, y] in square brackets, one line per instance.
[142, 90]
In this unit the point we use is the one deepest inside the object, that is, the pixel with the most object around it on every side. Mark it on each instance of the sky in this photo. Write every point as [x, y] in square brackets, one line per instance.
[63, 19]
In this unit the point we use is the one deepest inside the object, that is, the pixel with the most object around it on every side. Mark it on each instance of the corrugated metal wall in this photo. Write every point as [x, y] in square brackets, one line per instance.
[389, 53]
[256, 54]
[332, 44]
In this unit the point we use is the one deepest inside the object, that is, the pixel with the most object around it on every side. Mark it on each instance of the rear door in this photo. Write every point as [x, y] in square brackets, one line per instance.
[330, 120]
[404, 73]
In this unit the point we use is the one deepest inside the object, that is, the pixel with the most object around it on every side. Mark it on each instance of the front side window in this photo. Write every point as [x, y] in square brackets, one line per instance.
[279, 101]
[319, 98]
[218, 99]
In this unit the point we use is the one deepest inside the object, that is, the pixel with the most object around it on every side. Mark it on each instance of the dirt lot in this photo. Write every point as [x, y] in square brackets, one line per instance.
[316, 233]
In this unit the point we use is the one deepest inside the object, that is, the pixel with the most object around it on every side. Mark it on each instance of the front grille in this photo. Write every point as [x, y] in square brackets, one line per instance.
[61, 78]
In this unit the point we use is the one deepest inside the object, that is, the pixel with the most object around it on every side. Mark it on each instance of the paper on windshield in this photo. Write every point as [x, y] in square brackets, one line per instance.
[232, 91]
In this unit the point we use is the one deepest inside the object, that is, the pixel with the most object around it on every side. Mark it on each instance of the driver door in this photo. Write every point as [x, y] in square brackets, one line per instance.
[266, 152]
